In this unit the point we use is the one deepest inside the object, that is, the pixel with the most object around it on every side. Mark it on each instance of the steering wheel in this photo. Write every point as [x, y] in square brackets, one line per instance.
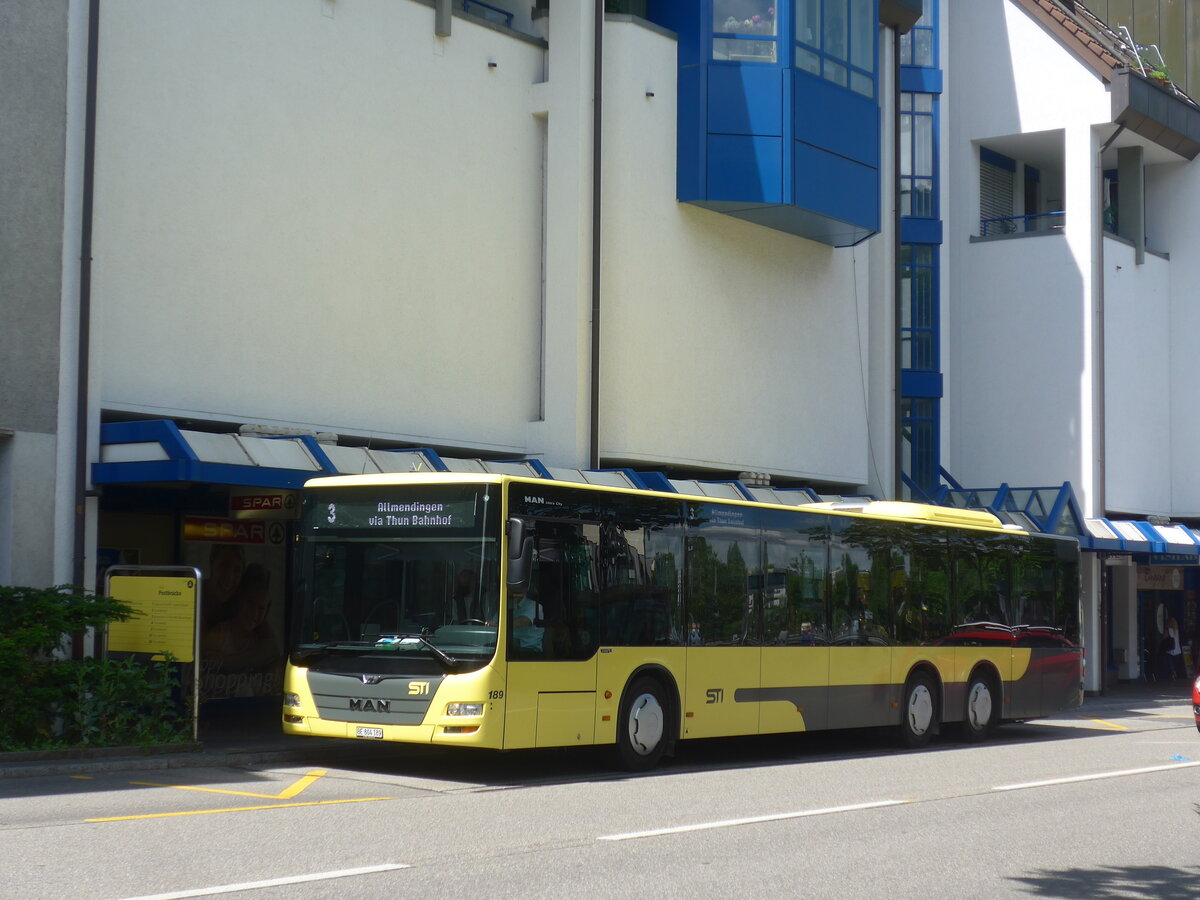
[471, 622]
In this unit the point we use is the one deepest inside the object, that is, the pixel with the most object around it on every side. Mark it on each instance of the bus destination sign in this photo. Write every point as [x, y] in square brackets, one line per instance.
[416, 514]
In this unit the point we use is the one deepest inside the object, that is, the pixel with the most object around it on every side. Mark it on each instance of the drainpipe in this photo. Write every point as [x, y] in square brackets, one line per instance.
[897, 343]
[597, 78]
[85, 310]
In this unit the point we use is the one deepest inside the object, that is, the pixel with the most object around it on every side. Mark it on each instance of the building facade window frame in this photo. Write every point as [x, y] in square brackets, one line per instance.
[838, 40]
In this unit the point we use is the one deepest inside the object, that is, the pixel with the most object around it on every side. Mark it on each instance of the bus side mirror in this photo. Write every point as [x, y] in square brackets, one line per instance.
[520, 556]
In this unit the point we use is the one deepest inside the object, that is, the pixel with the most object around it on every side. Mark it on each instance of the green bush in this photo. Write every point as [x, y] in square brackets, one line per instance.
[121, 701]
[48, 701]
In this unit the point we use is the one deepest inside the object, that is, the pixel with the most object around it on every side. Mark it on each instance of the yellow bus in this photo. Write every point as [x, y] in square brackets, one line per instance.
[514, 612]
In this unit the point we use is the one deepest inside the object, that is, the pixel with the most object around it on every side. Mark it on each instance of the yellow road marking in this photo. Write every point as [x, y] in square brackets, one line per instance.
[1113, 725]
[286, 794]
[289, 793]
[206, 812]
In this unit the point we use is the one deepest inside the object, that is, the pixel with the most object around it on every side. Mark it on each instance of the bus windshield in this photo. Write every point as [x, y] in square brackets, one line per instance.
[396, 573]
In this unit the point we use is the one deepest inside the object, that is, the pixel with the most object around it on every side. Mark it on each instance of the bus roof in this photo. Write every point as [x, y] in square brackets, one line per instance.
[878, 509]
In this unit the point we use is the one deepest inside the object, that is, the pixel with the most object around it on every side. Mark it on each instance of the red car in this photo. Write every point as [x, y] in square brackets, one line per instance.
[1196, 700]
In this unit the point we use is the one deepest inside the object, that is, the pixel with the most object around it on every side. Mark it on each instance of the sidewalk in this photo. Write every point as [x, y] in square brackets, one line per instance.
[1135, 695]
[243, 738]
[254, 736]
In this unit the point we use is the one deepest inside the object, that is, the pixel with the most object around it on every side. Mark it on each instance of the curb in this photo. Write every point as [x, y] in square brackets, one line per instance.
[19, 756]
[102, 760]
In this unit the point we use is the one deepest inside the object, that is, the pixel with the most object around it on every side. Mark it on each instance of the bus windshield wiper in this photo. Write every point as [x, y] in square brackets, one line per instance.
[321, 646]
[443, 657]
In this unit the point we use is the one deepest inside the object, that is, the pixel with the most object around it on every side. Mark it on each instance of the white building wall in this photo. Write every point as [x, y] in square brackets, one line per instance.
[328, 217]
[319, 215]
[1017, 353]
[1174, 199]
[1022, 361]
[1137, 383]
[725, 344]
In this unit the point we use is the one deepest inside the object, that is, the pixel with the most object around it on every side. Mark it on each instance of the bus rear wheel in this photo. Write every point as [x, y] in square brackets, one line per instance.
[982, 708]
[642, 728]
[919, 715]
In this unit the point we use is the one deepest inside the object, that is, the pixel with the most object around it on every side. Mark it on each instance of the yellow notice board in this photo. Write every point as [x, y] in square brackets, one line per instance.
[166, 615]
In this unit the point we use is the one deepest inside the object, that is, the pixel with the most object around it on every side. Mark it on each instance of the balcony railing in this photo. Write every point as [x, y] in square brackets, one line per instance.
[489, 12]
[1036, 222]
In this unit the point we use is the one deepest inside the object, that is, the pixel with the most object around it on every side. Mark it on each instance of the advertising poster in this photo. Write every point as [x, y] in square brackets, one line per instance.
[241, 639]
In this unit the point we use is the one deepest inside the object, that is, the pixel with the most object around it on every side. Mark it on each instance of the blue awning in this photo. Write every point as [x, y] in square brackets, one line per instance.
[1173, 539]
[159, 451]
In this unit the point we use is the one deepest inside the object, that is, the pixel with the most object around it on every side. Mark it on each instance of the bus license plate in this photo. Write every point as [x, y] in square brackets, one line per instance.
[362, 731]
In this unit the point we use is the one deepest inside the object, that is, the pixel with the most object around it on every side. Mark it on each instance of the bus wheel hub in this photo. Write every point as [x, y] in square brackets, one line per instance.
[645, 723]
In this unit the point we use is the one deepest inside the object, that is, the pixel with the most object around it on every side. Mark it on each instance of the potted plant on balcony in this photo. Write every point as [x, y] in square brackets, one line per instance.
[1158, 73]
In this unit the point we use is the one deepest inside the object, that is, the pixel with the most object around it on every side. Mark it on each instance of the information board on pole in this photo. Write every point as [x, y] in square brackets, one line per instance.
[164, 620]
[166, 604]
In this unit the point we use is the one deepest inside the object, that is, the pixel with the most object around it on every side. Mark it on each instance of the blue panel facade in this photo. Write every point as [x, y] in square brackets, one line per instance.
[835, 186]
[778, 118]
[744, 100]
[691, 137]
[745, 168]
[837, 120]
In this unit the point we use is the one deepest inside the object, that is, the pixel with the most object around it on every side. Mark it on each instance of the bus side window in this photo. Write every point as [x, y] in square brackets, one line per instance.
[794, 601]
[642, 547]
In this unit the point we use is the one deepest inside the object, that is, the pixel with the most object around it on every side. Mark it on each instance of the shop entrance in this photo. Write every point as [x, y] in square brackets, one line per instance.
[1167, 621]
[238, 539]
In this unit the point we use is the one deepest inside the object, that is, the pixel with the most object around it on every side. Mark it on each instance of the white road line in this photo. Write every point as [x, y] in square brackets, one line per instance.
[729, 823]
[1097, 777]
[274, 882]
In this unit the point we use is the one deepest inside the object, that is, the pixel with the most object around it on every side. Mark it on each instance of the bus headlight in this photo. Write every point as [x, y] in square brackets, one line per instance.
[292, 700]
[464, 709]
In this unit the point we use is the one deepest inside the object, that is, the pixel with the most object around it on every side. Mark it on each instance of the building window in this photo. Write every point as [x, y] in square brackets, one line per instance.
[744, 31]
[997, 177]
[918, 445]
[918, 307]
[835, 40]
[1112, 210]
[917, 155]
[1021, 196]
[919, 46]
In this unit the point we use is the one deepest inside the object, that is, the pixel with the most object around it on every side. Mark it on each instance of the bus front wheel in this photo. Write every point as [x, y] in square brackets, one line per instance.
[919, 716]
[642, 725]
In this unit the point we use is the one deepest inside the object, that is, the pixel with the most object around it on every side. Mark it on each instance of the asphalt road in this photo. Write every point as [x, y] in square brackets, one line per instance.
[1098, 805]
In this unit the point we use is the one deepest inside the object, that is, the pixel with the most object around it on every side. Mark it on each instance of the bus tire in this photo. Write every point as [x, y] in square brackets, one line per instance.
[643, 732]
[981, 709]
[919, 712]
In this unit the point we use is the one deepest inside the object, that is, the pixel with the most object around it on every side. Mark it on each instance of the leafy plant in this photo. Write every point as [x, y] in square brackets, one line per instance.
[47, 700]
[124, 701]
[1156, 71]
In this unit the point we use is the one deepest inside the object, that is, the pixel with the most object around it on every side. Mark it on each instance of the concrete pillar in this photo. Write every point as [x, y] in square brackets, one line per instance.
[1090, 631]
[565, 100]
[1131, 204]
[1123, 576]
